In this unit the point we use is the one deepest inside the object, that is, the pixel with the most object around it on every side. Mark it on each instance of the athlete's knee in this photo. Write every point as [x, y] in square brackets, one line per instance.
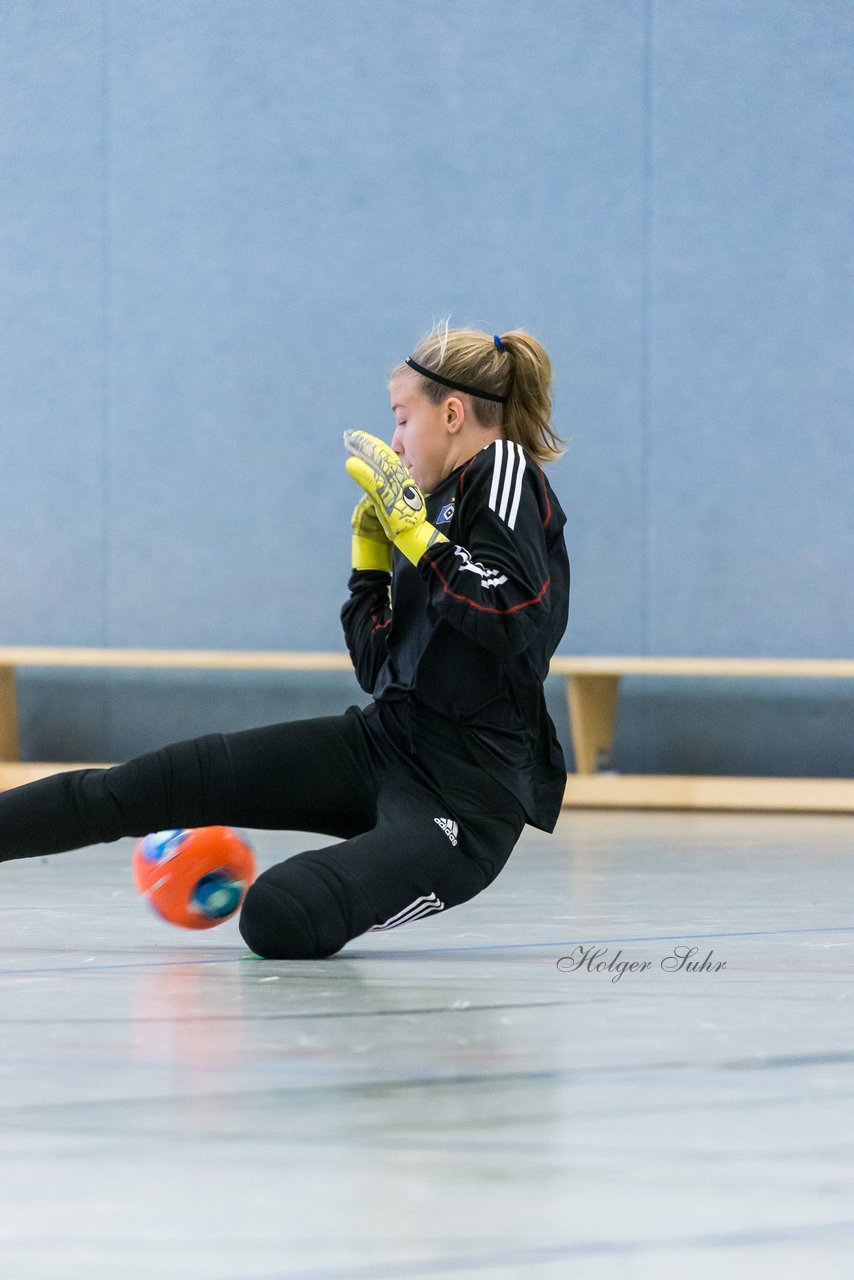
[292, 912]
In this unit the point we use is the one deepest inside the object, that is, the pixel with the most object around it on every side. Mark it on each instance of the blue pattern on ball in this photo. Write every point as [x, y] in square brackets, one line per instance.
[216, 895]
[160, 846]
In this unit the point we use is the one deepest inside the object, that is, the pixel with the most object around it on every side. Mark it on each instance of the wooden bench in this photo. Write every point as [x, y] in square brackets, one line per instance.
[14, 771]
[593, 686]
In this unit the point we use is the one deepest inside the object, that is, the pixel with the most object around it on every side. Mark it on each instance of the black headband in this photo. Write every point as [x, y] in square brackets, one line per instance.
[455, 386]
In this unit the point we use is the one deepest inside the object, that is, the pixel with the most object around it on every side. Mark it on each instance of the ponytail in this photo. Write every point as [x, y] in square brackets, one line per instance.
[527, 414]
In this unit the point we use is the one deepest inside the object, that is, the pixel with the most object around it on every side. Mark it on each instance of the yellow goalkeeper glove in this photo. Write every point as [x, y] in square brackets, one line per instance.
[399, 502]
[371, 547]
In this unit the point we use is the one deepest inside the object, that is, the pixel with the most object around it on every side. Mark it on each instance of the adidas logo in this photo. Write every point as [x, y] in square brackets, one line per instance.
[450, 828]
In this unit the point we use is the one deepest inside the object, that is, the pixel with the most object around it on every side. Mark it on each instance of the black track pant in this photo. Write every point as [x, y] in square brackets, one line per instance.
[342, 776]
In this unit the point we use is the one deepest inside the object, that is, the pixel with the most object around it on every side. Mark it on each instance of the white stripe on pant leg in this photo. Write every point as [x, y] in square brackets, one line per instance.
[423, 906]
[416, 915]
[420, 907]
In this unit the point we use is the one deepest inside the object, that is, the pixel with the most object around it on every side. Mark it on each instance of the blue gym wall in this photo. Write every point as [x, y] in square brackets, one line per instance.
[223, 222]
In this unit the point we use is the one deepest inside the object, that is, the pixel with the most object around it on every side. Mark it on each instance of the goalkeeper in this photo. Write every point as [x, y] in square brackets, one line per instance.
[457, 600]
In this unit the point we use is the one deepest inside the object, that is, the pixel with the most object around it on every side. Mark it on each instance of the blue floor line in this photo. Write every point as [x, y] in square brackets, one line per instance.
[428, 951]
[506, 1258]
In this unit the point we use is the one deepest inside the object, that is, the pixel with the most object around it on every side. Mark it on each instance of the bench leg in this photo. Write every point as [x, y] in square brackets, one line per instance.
[592, 716]
[10, 743]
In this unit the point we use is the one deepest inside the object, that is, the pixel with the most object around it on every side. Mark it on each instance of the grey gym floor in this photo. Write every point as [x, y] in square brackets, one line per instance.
[446, 1099]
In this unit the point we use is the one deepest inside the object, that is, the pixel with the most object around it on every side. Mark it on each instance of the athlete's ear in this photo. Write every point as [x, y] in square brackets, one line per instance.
[455, 414]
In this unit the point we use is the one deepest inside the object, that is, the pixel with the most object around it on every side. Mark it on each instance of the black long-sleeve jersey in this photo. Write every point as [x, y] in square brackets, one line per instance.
[468, 632]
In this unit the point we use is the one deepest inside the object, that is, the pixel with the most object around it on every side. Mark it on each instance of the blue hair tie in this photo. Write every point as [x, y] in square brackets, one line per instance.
[499, 346]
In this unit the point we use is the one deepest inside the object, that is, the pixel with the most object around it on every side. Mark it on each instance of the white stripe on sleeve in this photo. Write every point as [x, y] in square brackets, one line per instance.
[508, 474]
[508, 480]
[517, 492]
[496, 472]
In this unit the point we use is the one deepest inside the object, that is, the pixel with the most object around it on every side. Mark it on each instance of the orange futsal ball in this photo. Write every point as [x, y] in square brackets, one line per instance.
[195, 877]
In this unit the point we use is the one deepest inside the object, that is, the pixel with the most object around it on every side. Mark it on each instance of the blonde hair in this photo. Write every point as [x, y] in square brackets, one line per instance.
[521, 373]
